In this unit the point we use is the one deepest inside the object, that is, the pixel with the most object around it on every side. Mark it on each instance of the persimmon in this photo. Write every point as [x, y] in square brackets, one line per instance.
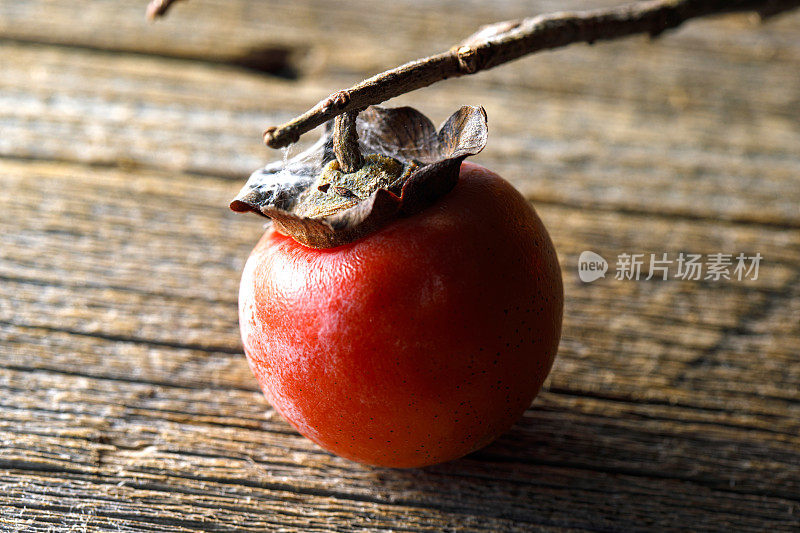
[416, 343]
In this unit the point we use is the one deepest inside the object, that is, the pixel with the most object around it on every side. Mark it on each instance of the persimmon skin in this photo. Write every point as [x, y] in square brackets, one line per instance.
[417, 344]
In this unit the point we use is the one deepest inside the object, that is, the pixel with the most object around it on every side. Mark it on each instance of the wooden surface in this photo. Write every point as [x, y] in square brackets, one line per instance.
[126, 404]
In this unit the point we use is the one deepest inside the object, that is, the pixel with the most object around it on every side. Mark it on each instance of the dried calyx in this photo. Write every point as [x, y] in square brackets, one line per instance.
[402, 164]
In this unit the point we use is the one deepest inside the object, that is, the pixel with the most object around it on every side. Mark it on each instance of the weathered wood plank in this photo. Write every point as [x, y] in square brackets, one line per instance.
[683, 340]
[107, 223]
[341, 36]
[603, 463]
[329, 36]
[157, 503]
[555, 144]
[126, 404]
[604, 435]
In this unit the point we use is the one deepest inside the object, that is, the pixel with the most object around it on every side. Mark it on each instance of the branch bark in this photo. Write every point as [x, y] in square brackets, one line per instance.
[158, 8]
[502, 42]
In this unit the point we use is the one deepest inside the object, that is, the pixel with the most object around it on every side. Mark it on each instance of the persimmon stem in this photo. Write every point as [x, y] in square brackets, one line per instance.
[345, 142]
[502, 42]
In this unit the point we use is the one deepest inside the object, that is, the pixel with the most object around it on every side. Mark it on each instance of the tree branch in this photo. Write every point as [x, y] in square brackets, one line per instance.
[158, 8]
[505, 41]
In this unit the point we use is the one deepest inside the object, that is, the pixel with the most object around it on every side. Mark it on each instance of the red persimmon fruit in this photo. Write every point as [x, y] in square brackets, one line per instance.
[416, 344]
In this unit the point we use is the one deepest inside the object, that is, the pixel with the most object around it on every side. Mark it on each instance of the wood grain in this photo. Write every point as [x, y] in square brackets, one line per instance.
[126, 404]
[533, 137]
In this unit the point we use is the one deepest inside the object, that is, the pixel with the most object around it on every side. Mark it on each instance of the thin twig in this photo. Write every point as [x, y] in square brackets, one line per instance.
[158, 8]
[505, 41]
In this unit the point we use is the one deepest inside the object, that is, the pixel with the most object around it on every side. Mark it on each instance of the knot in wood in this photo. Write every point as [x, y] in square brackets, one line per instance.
[467, 59]
[336, 101]
[341, 98]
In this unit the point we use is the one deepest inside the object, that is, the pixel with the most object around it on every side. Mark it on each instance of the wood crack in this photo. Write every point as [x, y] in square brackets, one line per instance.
[273, 60]
[746, 320]
[122, 379]
[121, 288]
[131, 339]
